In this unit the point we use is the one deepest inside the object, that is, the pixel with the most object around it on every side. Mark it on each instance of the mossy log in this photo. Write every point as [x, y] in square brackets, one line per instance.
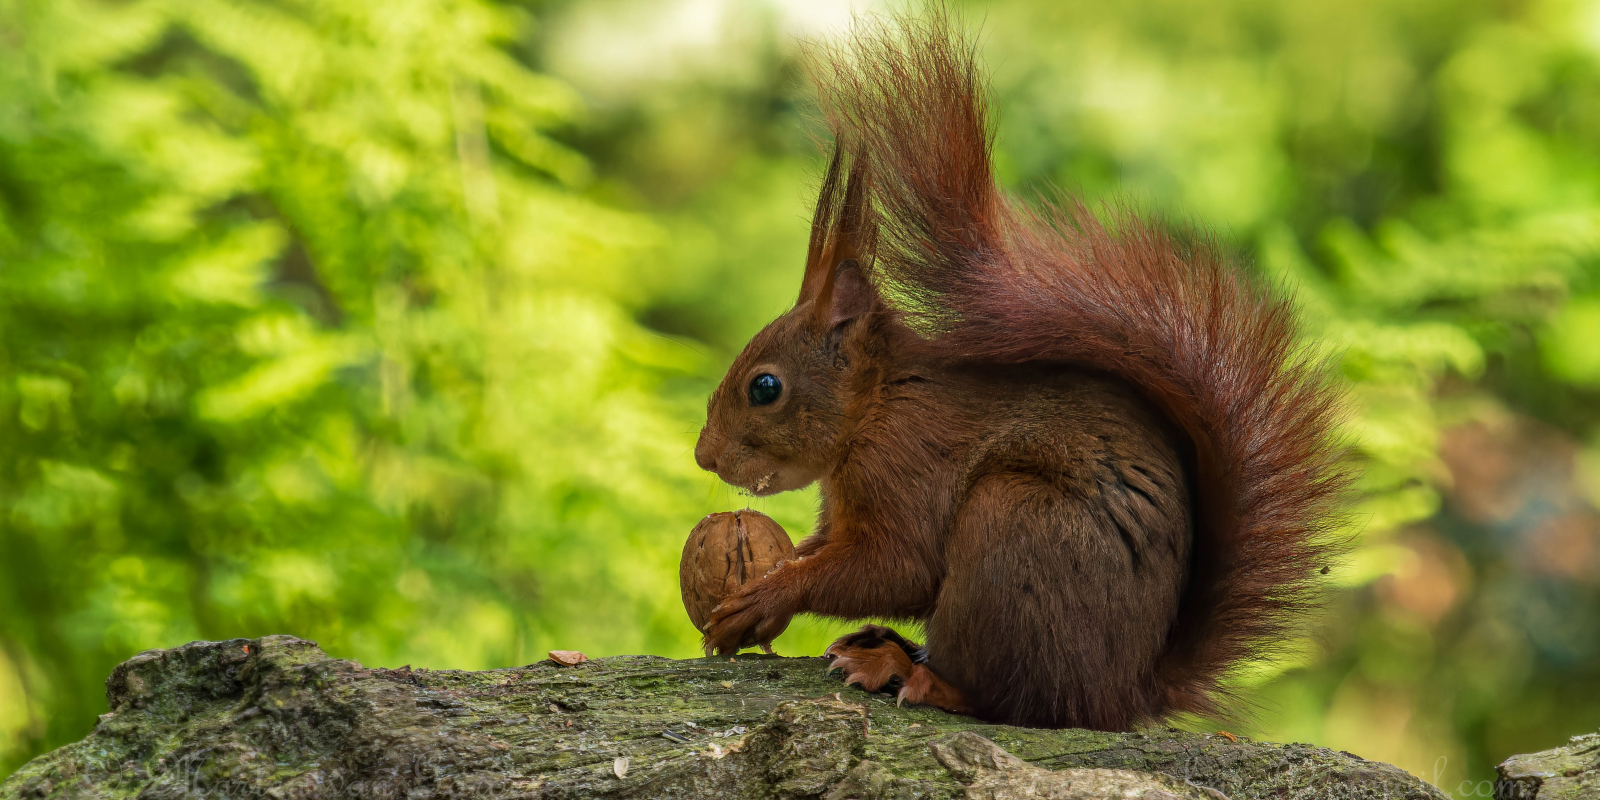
[1569, 772]
[277, 717]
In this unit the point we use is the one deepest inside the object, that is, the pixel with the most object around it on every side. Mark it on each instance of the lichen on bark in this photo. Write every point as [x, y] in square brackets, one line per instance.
[1569, 772]
[276, 717]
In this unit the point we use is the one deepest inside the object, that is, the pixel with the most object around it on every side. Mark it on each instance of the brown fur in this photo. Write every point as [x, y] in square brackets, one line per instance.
[1087, 456]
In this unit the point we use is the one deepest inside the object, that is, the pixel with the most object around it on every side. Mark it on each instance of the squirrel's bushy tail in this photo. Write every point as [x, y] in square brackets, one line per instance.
[991, 281]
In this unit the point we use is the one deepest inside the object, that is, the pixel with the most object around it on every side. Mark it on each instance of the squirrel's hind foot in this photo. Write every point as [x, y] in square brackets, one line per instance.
[878, 659]
[874, 658]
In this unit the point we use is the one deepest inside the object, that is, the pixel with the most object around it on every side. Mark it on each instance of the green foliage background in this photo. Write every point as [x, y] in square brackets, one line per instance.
[389, 324]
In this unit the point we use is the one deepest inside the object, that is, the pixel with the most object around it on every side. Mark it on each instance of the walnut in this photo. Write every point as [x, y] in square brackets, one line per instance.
[726, 551]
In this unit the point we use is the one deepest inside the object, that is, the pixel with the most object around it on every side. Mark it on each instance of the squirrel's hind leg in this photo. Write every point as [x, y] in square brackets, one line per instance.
[876, 658]
[1057, 598]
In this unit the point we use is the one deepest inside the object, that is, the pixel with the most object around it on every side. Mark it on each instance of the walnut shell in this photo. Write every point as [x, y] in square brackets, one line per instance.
[725, 551]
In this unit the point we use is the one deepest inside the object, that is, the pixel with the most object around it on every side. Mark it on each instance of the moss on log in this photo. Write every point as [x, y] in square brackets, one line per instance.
[276, 717]
[1569, 772]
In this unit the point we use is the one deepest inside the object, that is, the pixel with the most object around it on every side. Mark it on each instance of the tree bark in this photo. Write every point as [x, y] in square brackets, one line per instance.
[1570, 772]
[277, 717]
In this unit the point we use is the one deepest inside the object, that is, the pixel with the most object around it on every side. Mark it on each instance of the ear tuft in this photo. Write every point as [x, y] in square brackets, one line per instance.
[843, 229]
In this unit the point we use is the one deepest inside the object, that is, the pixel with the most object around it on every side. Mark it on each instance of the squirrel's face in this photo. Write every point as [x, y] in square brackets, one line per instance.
[777, 413]
[775, 421]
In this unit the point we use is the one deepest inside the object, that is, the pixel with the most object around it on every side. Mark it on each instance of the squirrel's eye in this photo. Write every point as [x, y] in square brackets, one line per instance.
[765, 389]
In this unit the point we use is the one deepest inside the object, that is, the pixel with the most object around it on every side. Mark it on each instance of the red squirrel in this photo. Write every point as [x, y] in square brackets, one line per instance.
[1087, 456]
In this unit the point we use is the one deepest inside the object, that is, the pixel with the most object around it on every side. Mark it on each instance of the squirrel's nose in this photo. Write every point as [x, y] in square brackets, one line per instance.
[704, 454]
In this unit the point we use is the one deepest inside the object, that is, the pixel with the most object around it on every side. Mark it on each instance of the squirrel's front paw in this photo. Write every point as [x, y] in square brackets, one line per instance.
[754, 615]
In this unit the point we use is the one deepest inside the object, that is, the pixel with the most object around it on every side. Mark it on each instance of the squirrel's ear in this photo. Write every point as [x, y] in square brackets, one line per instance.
[842, 230]
[852, 293]
[818, 255]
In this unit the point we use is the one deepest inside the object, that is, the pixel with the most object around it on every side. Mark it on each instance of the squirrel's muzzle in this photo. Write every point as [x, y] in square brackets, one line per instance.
[705, 452]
